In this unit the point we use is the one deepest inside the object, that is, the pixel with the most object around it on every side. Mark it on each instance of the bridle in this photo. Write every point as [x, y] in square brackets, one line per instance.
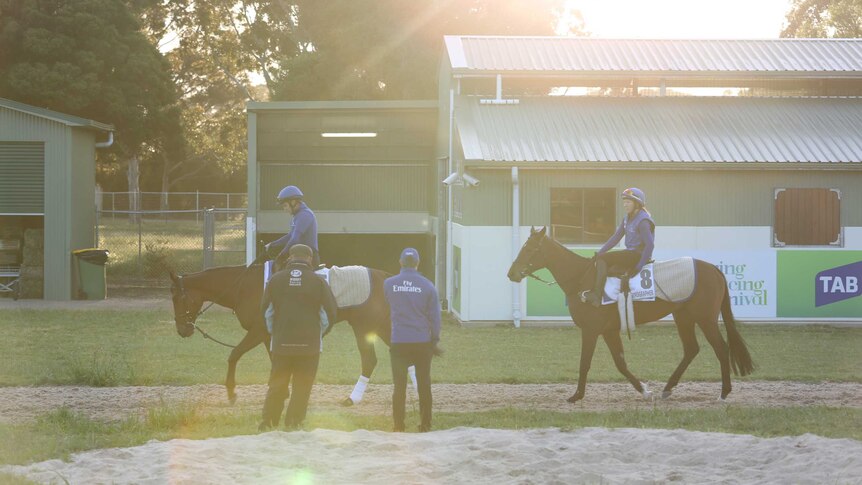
[191, 319]
[529, 269]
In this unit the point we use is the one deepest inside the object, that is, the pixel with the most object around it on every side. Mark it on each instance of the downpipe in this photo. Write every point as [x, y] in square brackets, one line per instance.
[516, 245]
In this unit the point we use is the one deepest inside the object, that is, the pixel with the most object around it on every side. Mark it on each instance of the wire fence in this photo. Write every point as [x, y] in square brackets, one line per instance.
[193, 202]
[146, 245]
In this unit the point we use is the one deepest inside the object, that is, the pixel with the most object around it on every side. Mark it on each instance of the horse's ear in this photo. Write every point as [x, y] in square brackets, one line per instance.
[533, 230]
[544, 230]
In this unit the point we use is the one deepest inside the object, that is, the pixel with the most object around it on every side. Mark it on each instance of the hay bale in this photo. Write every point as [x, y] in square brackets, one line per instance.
[31, 282]
[34, 247]
[34, 238]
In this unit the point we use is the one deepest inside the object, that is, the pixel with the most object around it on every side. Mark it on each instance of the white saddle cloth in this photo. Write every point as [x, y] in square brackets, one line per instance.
[672, 280]
[351, 285]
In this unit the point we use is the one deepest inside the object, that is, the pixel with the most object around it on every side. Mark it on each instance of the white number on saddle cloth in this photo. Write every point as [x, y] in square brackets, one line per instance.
[641, 286]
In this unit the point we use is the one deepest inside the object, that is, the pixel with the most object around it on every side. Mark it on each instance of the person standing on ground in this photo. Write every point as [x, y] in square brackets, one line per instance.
[297, 296]
[415, 310]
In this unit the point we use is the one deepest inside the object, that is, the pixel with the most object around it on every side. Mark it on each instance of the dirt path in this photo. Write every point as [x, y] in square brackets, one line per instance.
[25, 403]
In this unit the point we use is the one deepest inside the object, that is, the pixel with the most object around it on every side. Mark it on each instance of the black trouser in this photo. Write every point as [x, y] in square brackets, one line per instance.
[403, 356]
[303, 368]
[625, 259]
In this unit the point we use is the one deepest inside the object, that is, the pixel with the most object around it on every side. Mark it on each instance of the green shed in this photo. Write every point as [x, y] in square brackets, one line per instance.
[47, 187]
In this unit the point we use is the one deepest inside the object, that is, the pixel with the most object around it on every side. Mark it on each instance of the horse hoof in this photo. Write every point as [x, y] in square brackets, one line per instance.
[232, 399]
[722, 399]
[347, 402]
[666, 394]
[574, 398]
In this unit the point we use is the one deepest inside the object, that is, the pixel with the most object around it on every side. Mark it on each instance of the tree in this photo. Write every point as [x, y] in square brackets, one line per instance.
[824, 18]
[89, 58]
[390, 49]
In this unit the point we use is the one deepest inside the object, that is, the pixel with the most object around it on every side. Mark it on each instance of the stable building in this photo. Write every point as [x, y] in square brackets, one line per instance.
[47, 208]
[367, 169]
[765, 183]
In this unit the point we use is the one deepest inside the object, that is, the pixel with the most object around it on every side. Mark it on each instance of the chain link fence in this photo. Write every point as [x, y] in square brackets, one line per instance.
[146, 245]
[195, 202]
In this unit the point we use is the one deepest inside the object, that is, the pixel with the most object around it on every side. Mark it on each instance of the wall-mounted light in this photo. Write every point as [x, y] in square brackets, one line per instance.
[349, 135]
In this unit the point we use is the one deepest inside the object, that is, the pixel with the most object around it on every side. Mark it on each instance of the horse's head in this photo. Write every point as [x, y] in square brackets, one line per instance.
[531, 257]
[186, 306]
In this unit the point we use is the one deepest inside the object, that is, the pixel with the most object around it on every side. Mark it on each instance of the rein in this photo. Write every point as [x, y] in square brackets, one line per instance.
[192, 320]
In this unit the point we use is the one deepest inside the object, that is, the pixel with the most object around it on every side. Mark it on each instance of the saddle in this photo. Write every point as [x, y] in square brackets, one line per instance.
[351, 285]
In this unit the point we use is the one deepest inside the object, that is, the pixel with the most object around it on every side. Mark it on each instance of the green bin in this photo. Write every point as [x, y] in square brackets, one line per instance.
[91, 273]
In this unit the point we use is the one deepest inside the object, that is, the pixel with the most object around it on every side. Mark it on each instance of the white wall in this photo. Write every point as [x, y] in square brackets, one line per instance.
[486, 255]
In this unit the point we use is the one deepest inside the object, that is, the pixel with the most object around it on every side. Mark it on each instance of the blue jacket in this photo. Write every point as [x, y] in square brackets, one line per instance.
[414, 306]
[303, 230]
[639, 237]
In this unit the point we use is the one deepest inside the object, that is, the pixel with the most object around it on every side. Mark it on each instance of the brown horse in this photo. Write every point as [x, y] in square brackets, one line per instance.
[575, 274]
[240, 288]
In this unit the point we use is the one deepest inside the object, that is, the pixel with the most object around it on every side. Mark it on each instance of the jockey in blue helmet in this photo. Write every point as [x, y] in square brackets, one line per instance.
[303, 226]
[639, 230]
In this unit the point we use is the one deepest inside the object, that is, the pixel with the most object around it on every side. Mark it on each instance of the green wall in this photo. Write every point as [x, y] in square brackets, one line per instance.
[676, 198]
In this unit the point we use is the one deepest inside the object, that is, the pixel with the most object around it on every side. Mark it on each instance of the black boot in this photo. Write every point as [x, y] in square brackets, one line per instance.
[594, 296]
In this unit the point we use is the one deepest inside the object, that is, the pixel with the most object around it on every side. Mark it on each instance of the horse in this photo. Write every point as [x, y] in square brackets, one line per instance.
[240, 288]
[575, 274]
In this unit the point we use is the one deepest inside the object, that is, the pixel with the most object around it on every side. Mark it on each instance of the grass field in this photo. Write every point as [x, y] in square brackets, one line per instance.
[126, 347]
[134, 347]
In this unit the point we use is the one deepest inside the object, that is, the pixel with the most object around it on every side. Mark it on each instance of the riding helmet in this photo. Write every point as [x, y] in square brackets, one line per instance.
[288, 193]
[635, 194]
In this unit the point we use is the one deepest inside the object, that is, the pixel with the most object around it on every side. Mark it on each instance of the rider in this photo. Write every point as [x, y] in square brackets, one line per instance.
[639, 230]
[303, 227]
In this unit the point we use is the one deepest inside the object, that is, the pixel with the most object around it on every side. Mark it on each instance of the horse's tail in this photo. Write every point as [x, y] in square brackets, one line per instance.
[740, 359]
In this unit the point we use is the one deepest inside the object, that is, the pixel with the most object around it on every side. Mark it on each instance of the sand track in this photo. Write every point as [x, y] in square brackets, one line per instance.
[18, 404]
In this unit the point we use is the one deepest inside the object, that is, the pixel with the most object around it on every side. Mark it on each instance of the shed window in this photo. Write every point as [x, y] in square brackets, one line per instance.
[807, 217]
[582, 216]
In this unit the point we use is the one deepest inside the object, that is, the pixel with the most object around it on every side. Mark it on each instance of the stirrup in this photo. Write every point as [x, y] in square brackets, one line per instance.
[586, 298]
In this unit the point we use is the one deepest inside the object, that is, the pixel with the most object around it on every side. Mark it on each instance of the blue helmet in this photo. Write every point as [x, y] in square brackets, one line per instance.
[635, 194]
[288, 193]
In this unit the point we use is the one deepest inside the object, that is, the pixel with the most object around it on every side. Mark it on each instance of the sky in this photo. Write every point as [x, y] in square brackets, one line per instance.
[683, 19]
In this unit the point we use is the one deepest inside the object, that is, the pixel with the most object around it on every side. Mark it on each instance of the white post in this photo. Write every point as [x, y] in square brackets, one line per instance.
[516, 245]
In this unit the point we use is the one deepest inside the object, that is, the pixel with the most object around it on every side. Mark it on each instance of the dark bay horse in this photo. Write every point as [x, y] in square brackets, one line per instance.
[240, 288]
[575, 274]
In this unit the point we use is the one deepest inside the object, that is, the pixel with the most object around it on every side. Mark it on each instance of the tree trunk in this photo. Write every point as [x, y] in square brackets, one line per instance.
[133, 174]
[165, 186]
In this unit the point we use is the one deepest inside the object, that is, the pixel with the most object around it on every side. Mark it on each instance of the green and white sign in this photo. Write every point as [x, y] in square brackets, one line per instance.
[820, 283]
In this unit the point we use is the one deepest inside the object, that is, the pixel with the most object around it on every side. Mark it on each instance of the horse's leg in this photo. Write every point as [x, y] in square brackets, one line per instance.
[690, 348]
[251, 340]
[615, 346]
[713, 335]
[588, 346]
[365, 343]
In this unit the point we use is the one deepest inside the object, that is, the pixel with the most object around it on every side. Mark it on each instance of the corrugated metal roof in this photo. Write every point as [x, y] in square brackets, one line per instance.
[662, 129]
[558, 55]
[340, 105]
[69, 120]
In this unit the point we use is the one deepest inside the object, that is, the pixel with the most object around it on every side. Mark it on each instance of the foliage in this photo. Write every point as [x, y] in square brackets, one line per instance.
[88, 58]
[391, 49]
[824, 18]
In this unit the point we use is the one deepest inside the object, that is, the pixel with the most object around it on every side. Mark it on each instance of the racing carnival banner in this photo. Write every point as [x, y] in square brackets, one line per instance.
[820, 283]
